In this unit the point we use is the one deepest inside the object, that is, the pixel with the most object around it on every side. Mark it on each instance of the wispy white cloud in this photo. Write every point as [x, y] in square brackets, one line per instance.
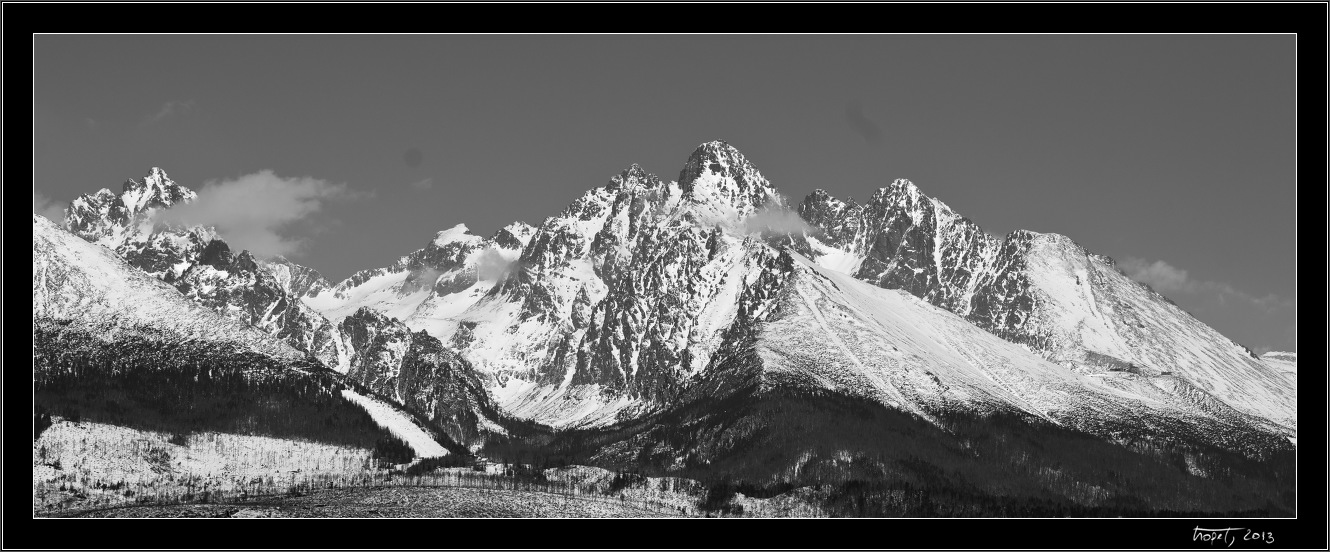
[424, 184]
[775, 219]
[1166, 278]
[47, 207]
[261, 212]
[1159, 274]
[1260, 317]
[493, 265]
[168, 109]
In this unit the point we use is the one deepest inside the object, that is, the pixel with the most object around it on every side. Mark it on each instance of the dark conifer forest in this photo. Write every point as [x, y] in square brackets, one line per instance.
[871, 460]
[186, 387]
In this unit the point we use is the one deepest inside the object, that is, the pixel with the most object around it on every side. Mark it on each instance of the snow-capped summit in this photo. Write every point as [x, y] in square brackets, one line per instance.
[457, 234]
[632, 178]
[112, 220]
[127, 224]
[155, 190]
[719, 176]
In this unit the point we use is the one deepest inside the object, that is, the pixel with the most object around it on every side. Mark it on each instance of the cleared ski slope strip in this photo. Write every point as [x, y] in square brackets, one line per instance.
[399, 424]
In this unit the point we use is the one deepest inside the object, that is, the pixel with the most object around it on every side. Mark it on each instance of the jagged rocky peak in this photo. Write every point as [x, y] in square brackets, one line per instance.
[104, 214]
[298, 280]
[155, 190]
[821, 209]
[904, 197]
[216, 254]
[716, 171]
[632, 178]
[513, 236]
[900, 187]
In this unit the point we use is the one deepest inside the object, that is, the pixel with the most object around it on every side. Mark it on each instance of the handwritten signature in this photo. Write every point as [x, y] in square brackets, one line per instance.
[1230, 535]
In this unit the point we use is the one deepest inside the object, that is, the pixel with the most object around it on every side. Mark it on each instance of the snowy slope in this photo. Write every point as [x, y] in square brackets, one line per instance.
[1284, 363]
[399, 424]
[430, 286]
[1094, 318]
[1043, 291]
[835, 332]
[73, 279]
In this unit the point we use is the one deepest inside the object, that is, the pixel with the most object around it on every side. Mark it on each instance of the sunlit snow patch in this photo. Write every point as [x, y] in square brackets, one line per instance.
[397, 423]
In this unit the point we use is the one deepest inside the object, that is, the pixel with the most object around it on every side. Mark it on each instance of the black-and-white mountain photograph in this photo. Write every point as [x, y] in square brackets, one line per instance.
[665, 275]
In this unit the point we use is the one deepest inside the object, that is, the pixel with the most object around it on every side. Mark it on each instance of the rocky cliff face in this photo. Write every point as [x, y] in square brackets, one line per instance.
[418, 372]
[903, 239]
[618, 300]
[237, 287]
[294, 279]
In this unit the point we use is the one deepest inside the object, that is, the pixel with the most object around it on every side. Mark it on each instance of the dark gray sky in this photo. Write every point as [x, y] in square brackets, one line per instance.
[1174, 155]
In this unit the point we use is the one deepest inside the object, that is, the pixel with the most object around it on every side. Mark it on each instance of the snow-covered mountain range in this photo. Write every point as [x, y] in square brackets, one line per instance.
[642, 289]
[262, 296]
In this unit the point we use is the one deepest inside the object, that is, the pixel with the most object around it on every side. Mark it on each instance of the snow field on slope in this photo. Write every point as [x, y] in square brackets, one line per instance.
[379, 293]
[399, 424]
[78, 280]
[1284, 363]
[909, 351]
[833, 258]
[1162, 337]
[563, 407]
[458, 233]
